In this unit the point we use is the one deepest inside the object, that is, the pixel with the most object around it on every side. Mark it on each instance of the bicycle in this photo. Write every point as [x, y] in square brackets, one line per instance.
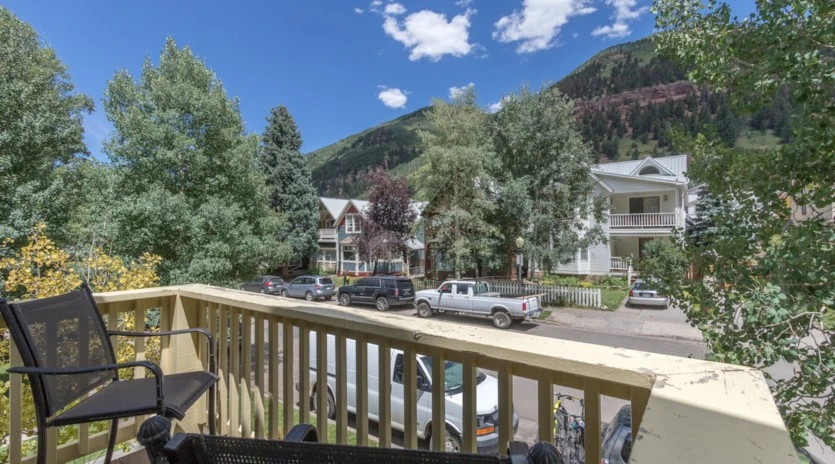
[570, 430]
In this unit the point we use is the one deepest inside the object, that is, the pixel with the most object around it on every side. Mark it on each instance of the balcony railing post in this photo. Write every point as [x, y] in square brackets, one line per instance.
[287, 362]
[322, 383]
[438, 400]
[341, 393]
[16, 406]
[545, 402]
[304, 373]
[384, 393]
[591, 395]
[275, 383]
[362, 390]
[184, 351]
[246, 376]
[409, 397]
[468, 409]
[505, 406]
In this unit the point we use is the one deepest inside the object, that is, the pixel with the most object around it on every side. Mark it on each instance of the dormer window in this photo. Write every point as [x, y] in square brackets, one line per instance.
[647, 170]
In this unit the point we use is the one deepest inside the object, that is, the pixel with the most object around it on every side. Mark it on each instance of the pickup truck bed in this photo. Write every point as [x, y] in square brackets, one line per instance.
[475, 299]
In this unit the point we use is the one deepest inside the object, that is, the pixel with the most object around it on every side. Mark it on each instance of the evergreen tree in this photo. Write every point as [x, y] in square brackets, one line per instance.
[727, 125]
[289, 184]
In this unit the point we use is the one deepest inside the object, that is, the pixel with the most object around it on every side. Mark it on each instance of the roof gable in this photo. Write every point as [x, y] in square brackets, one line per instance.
[649, 161]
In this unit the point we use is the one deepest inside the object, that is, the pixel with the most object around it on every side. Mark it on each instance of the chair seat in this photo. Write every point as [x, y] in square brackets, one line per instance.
[127, 398]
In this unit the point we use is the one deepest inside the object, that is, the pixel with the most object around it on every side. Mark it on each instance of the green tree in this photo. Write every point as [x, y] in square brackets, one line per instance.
[454, 179]
[40, 130]
[289, 184]
[189, 189]
[545, 167]
[768, 280]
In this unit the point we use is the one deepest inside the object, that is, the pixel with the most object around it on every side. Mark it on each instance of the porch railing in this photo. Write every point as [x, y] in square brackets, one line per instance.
[684, 410]
[618, 264]
[327, 235]
[642, 220]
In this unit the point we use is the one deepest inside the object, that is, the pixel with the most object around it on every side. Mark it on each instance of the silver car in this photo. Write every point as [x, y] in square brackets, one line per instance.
[309, 287]
[644, 293]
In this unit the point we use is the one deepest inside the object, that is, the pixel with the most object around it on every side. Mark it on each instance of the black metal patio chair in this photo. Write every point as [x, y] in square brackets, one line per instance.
[68, 356]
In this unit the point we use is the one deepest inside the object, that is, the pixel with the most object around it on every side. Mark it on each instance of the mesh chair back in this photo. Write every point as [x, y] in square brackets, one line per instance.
[58, 332]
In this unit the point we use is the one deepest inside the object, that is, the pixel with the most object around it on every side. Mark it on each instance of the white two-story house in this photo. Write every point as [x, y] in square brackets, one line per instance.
[647, 199]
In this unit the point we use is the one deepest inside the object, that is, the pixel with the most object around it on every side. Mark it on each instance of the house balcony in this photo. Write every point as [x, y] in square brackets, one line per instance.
[684, 410]
[327, 235]
[644, 224]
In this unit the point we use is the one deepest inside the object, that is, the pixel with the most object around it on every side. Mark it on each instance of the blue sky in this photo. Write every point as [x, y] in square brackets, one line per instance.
[339, 66]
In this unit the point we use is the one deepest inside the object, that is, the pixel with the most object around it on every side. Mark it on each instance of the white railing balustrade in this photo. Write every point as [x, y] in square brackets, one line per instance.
[642, 220]
[327, 235]
[619, 264]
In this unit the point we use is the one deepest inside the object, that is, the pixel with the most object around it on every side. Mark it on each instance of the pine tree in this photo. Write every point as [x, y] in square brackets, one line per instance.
[289, 184]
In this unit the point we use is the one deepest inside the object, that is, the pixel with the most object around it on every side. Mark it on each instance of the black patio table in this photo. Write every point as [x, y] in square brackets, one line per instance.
[301, 446]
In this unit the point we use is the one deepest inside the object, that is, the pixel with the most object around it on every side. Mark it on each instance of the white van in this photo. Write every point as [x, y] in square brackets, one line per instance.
[487, 398]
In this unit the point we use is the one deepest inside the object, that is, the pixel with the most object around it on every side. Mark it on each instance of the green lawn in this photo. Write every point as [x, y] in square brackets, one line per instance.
[612, 297]
[829, 319]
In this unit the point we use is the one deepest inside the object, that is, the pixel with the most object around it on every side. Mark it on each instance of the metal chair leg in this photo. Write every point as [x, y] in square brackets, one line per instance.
[41, 443]
[114, 430]
[212, 418]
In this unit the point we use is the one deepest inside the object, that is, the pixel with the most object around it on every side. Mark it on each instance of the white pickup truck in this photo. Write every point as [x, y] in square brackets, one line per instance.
[475, 299]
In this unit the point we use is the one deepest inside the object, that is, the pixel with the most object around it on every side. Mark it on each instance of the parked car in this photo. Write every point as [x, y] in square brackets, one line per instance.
[487, 395]
[644, 293]
[267, 284]
[309, 287]
[381, 291]
[475, 299]
[617, 438]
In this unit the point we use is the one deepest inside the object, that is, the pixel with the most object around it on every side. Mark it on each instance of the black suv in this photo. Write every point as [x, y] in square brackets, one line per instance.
[381, 291]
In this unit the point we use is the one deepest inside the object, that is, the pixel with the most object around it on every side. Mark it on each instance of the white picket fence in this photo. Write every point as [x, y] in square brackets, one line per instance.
[549, 294]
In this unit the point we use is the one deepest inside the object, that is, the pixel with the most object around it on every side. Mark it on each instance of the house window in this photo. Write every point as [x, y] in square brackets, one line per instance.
[649, 170]
[326, 254]
[803, 210]
[584, 255]
[349, 254]
[352, 224]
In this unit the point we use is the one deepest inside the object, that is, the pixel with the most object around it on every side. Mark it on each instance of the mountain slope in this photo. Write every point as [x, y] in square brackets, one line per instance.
[628, 100]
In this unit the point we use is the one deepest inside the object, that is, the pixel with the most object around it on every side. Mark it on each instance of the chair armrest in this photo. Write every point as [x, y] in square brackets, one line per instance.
[41, 371]
[206, 333]
[302, 433]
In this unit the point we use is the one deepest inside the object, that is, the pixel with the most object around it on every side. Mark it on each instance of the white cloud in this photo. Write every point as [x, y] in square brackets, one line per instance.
[358, 11]
[454, 92]
[496, 107]
[375, 6]
[392, 97]
[575, 35]
[430, 35]
[625, 11]
[394, 9]
[539, 22]
[614, 31]
[464, 3]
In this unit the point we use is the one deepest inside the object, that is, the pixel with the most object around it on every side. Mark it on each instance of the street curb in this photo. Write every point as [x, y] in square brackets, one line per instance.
[629, 334]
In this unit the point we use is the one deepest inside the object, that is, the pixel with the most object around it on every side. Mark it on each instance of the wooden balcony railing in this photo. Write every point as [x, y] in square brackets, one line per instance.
[684, 410]
[642, 220]
[327, 235]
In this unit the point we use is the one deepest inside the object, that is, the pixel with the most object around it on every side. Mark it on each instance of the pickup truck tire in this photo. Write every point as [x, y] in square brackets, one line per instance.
[382, 303]
[501, 319]
[424, 310]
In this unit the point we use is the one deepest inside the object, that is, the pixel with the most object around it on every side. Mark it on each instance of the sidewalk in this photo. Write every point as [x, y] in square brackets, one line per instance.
[664, 323]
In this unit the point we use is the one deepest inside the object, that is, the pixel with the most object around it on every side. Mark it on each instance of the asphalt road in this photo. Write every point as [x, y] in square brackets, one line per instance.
[524, 390]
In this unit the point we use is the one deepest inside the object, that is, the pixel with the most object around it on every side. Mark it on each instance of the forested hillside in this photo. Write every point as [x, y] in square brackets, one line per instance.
[628, 101]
